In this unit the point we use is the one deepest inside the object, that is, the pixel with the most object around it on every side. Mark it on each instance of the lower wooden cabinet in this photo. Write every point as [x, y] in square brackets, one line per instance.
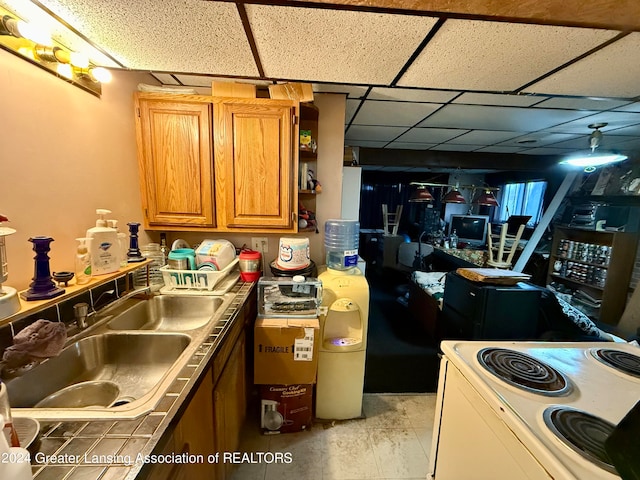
[192, 434]
[212, 421]
[230, 406]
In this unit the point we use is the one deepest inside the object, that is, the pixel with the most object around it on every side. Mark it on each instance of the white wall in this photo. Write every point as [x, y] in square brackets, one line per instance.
[64, 153]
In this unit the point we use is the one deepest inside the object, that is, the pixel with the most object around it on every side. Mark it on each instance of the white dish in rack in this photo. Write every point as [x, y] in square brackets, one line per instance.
[194, 279]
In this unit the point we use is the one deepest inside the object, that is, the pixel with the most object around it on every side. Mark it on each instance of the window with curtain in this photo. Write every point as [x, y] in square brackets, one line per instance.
[522, 199]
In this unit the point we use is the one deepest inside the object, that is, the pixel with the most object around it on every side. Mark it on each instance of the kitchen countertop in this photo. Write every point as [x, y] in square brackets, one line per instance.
[109, 449]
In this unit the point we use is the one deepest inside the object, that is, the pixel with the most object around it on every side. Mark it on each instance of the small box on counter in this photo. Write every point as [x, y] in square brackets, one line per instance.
[286, 350]
[285, 408]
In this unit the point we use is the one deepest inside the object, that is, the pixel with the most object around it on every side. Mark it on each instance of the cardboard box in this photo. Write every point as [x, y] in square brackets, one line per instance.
[302, 92]
[286, 408]
[286, 350]
[233, 89]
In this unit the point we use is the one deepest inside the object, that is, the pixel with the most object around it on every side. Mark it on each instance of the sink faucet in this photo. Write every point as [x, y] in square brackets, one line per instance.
[80, 312]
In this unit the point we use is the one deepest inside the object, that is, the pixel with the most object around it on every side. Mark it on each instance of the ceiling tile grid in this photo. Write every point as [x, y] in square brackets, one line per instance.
[459, 94]
[610, 72]
[431, 135]
[342, 46]
[500, 118]
[395, 113]
[482, 55]
[172, 35]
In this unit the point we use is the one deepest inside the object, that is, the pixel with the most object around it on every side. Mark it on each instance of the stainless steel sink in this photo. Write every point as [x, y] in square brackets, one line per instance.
[138, 345]
[168, 313]
[135, 362]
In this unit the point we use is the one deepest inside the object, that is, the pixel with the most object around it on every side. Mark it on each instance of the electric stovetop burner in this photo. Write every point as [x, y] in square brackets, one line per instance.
[584, 433]
[524, 371]
[622, 361]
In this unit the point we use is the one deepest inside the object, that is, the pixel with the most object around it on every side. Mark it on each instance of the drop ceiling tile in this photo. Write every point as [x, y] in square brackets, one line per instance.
[411, 95]
[545, 151]
[485, 137]
[633, 130]
[166, 78]
[375, 133]
[499, 118]
[430, 135]
[352, 91]
[538, 139]
[499, 149]
[614, 120]
[632, 107]
[334, 45]
[450, 147]
[579, 103]
[171, 36]
[366, 143]
[473, 98]
[350, 109]
[629, 145]
[410, 145]
[374, 112]
[195, 80]
[467, 54]
[606, 73]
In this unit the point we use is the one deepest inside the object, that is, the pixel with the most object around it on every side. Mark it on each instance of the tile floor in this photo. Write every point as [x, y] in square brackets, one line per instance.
[392, 442]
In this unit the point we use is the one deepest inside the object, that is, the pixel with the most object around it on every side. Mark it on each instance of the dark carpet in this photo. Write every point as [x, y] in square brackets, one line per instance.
[401, 358]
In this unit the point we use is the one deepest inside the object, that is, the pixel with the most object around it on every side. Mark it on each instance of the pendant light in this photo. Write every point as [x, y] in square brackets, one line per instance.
[487, 198]
[454, 196]
[421, 195]
[590, 160]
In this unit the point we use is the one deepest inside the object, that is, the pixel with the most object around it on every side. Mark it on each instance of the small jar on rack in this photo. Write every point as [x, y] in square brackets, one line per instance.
[151, 251]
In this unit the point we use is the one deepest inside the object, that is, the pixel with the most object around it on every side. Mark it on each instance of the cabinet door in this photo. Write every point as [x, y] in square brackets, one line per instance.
[175, 159]
[254, 164]
[194, 432]
[230, 405]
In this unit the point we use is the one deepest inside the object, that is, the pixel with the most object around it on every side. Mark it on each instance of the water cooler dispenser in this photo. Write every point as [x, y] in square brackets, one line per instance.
[343, 326]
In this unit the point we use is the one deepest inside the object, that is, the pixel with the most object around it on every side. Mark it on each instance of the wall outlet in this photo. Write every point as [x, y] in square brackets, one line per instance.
[260, 244]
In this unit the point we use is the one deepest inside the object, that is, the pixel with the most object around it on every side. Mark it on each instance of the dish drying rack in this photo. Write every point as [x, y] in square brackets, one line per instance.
[199, 280]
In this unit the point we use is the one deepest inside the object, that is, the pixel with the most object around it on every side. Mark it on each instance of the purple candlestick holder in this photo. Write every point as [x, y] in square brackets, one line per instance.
[42, 287]
[133, 254]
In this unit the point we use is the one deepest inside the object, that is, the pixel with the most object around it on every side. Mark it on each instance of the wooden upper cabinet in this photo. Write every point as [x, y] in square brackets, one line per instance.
[175, 155]
[255, 162]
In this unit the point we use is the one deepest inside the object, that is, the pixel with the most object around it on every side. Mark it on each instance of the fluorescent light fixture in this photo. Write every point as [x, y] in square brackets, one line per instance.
[594, 160]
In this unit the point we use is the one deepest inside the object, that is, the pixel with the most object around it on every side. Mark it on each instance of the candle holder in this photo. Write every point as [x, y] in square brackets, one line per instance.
[42, 287]
[133, 254]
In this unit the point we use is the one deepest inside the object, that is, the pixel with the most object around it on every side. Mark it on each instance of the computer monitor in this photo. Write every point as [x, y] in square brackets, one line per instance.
[470, 229]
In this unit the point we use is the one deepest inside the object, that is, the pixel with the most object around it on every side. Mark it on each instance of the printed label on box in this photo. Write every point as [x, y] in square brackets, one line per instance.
[303, 347]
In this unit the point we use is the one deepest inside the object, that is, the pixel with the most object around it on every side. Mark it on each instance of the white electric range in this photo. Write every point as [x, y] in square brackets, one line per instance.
[531, 410]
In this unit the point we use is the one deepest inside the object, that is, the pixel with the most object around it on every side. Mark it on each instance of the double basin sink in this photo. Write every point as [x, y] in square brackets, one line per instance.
[123, 366]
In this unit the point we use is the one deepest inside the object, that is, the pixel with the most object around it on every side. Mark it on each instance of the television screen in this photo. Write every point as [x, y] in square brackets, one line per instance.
[471, 229]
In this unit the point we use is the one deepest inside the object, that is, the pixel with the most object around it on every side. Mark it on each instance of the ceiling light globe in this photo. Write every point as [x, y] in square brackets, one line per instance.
[101, 74]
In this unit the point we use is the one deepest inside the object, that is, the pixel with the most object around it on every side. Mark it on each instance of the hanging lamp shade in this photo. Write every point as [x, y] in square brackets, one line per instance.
[421, 195]
[487, 198]
[454, 196]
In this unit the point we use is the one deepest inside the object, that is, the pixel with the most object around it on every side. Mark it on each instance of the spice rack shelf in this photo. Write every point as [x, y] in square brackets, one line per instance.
[604, 258]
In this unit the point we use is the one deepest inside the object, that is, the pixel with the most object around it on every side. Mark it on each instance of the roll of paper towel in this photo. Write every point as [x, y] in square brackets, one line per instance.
[14, 463]
[293, 253]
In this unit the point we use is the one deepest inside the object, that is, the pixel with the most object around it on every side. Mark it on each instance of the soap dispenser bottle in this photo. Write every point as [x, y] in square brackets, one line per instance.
[104, 245]
[83, 262]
